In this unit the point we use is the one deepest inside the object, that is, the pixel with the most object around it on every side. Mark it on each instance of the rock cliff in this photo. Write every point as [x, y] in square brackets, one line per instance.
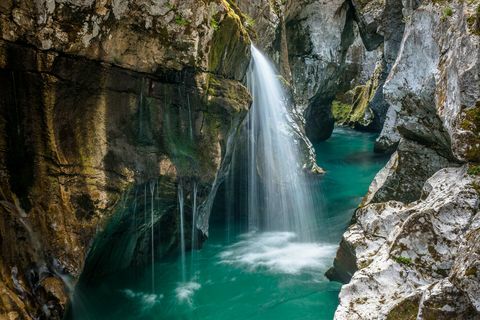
[100, 98]
[410, 251]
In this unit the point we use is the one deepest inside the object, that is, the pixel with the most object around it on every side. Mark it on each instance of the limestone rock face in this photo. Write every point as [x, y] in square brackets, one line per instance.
[99, 98]
[380, 26]
[403, 177]
[434, 96]
[412, 258]
[409, 251]
[318, 36]
[138, 35]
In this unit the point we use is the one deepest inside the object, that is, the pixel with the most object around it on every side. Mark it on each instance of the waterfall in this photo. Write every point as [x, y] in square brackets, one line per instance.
[190, 123]
[182, 233]
[194, 214]
[152, 192]
[278, 196]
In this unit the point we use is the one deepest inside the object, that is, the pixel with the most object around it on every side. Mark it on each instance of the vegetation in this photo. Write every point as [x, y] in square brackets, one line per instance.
[474, 170]
[403, 260]
[249, 21]
[447, 12]
[181, 21]
[405, 310]
[471, 122]
[214, 24]
[341, 111]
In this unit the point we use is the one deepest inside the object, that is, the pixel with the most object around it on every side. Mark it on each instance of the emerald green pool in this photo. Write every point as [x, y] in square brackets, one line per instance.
[254, 275]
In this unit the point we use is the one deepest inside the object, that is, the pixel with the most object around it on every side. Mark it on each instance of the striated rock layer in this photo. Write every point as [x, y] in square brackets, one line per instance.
[99, 98]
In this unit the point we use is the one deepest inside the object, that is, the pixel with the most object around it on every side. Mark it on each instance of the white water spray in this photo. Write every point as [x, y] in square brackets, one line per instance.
[279, 199]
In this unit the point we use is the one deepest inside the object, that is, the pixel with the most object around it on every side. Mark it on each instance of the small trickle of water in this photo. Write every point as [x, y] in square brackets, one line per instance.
[152, 192]
[182, 232]
[194, 215]
[190, 123]
[278, 196]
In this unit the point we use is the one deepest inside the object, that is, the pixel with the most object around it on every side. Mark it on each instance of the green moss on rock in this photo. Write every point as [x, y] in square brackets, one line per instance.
[341, 111]
[405, 310]
[403, 260]
[471, 124]
[229, 45]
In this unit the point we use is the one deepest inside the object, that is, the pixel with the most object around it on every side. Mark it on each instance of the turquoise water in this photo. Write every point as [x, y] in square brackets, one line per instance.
[249, 276]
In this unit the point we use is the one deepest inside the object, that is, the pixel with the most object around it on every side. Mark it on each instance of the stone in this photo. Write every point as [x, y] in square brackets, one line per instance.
[407, 251]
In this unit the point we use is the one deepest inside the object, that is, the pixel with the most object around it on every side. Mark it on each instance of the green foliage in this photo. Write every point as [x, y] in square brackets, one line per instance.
[474, 170]
[447, 12]
[181, 21]
[341, 111]
[403, 260]
[214, 24]
[405, 310]
[471, 122]
[249, 21]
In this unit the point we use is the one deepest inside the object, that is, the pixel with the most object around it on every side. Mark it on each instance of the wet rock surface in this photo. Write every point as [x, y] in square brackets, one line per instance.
[101, 98]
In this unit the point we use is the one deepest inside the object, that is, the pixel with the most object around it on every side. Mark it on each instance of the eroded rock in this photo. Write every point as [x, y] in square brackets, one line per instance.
[407, 252]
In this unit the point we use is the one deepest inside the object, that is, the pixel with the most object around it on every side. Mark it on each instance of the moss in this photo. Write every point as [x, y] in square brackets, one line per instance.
[403, 260]
[246, 23]
[474, 170]
[471, 272]
[171, 6]
[341, 111]
[447, 12]
[181, 21]
[476, 187]
[473, 21]
[471, 123]
[249, 21]
[362, 96]
[214, 24]
[227, 42]
[405, 310]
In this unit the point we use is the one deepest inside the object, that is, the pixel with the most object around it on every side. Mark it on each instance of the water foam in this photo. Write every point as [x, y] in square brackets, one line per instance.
[278, 252]
[185, 291]
[146, 300]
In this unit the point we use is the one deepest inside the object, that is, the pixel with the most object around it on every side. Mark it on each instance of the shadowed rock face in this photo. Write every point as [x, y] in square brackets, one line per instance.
[99, 99]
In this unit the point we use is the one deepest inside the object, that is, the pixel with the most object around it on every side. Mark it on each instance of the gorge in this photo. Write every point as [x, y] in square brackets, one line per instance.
[233, 159]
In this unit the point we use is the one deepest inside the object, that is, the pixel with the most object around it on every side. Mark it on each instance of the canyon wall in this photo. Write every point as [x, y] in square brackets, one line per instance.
[411, 251]
[100, 98]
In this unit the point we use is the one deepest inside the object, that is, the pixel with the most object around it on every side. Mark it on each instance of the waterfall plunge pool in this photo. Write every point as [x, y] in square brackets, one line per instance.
[249, 275]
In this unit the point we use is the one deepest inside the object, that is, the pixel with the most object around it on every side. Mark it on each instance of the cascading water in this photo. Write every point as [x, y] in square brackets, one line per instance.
[182, 232]
[278, 197]
[152, 192]
[194, 215]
